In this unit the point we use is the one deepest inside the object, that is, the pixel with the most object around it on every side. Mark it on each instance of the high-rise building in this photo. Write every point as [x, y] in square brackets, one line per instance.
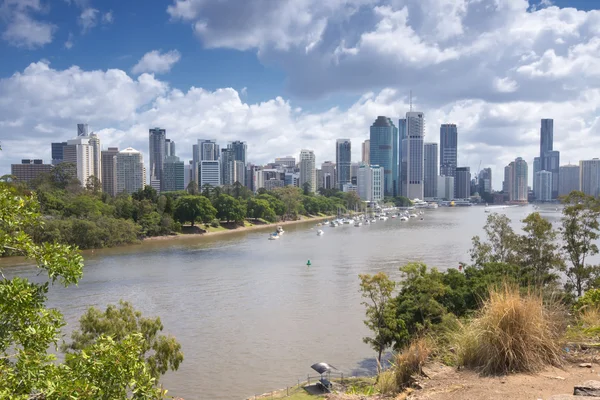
[463, 182]
[413, 171]
[430, 175]
[518, 190]
[97, 159]
[370, 182]
[82, 129]
[568, 179]
[130, 171]
[227, 157]
[507, 182]
[157, 138]
[188, 174]
[29, 170]
[401, 137]
[109, 170]
[207, 150]
[80, 153]
[448, 150]
[445, 187]
[209, 172]
[553, 165]
[329, 175]
[484, 181]
[366, 152]
[381, 147]
[169, 148]
[58, 152]
[354, 173]
[289, 161]
[308, 172]
[173, 174]
[239, 150]
[589, 177]
[537, 167]
[544, 185]
[343, 160]
[549, 158]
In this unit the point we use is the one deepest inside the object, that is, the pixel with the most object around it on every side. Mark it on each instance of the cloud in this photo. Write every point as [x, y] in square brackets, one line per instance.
[156, 62]
[88, 19]
[22, 29]
[41, 104]
[69, 42]
[108, 17]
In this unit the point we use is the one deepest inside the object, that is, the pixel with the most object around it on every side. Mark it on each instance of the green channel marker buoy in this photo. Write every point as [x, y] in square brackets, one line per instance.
[308, 263]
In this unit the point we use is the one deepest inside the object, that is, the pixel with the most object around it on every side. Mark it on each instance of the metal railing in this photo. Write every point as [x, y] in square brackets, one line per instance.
[299, 386]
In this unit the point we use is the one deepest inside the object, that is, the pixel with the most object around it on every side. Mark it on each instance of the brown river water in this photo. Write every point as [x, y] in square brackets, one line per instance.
[250, 314]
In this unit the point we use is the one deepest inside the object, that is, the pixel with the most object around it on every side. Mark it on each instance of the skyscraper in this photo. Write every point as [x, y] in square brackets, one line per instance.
[173, 174]
[519, 178]
[568, 179]
[544, 185]
[412, 156]
[401, 137]
[343, 154]
[381, 143]
[130, 170]
[288, 162]
[239, 150]
[109, 170]
[537, 167]
[549, 158]
[58, 152]
[157, 138]
[169, 148]
[329, 175]
[463, 182]
[553, 165]
[82, 129]
[431, 169]
[484, 181]
[227, 157]
[366, 152]
[589, 177]
[370, 182]
[97, 159]
[308, 172]
[448, 149]
[80, 153]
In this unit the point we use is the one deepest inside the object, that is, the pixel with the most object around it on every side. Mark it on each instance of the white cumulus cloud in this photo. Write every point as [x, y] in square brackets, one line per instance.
[21, 27]
[156, 62]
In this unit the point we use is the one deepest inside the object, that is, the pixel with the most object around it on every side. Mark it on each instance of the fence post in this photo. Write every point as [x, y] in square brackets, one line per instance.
[287, 390]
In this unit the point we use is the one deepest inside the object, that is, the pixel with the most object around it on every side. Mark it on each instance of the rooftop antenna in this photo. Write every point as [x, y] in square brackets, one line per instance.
[410, 99]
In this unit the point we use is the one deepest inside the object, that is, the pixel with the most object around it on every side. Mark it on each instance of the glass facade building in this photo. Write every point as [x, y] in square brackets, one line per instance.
[382, 152]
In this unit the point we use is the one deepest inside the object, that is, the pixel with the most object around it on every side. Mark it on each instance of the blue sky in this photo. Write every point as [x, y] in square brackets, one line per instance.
[298, 74]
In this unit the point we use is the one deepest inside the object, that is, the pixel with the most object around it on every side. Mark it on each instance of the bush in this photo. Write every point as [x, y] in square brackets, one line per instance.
[406, 365]
[591, 298]
[215, 223]
[512, 333]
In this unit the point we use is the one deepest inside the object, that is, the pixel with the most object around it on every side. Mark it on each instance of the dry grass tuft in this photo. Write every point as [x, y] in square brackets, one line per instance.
[406, 365]
[512, 332]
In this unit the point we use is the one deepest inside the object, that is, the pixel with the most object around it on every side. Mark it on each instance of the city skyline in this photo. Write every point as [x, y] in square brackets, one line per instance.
[301, 88]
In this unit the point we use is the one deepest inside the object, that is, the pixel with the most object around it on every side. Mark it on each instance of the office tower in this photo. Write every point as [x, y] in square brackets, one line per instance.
[227, 157]
[307, 170]
[463, 182]
[544, 185]
[209, 172]
[173, 174]
[329, 175]
[589, 177]
[188, 174]
[207, 150]
[343, 160]
[354, 173]
[239, 149]
[568, 179]
[320, 180]
[157, 138]
[109, 170]
[549, 158]
[507, 182]
[366, 152]
[484, 181]
[381, 143]
[448, 149]
[130, 171]
[445, 187]
[430, 175]
[29, 170]
[82, 129]
[537, 167]
[97, 159]
[289, 161]
[169, 148]
[80, 153]
[370, 182]
[396, 183]
[413, 171]
[58, 152]
[401, 137]
[518, 190]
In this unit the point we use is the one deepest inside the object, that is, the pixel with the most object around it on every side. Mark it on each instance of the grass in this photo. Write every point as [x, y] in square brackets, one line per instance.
[213, 229]
[587, 325]
[406, 366]
[512, 332]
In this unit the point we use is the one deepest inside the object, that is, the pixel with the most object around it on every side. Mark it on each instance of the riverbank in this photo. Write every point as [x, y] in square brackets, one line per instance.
[238, 229]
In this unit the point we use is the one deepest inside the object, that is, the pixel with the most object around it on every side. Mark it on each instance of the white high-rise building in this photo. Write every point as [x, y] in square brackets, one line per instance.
[517, 187]
[589, 177]
[79, 152]
[370, 182]
[288, 162]
[96, 156]
[413, 156]
[445, 187]
[308, 173]
[366, 152]
[210, 173]
[130, 171]
[568, 179]
[329, 175]
[543, 184]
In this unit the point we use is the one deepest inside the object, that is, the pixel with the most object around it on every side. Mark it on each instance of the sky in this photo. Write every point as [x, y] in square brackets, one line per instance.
[292, 74]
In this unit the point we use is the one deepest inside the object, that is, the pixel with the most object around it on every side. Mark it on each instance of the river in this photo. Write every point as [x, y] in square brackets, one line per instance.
[249, 313]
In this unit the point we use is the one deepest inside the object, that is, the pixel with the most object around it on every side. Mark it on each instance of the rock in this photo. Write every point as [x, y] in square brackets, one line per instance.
[585, 365]
[589, 388]
[571, 397]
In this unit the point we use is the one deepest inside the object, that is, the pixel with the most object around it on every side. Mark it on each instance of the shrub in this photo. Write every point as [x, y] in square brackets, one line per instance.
[406, 365]
[215, 223]
[591, 298]
[512, 332]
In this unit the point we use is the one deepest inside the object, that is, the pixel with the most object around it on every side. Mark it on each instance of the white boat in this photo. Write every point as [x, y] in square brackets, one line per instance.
[367, 222]
[383, 218]
[394, 216]
[333, 224]
[432, 205]
[357, 224]
[273, 236]
[280, 230]
[348, 221]
[413, 215]
[404, 218]
[320, 232]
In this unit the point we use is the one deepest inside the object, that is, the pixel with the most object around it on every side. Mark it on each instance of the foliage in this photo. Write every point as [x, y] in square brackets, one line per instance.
[290, 197]
[406, 365]
[387, 329]
[229, 208]
[193, 209]
[501, 242]
[579, 231]
[161, 353]
[260, 208]
[591, 299]
[512, 333]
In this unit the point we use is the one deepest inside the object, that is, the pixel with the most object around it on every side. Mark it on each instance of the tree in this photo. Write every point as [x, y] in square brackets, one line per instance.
[147, 193]
[579, 232]
[192, 188]
[501, 244]
[353, 201]
[105, 370]
[306, 188]
[538, 251]
[381, 318]
[207, 190]
[229, 208]
[161, 353]
[193, 209]
[260, 208]
[290, 196]
[93, 184]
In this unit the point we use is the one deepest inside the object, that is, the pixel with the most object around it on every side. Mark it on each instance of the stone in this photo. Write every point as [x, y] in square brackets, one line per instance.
[571, 397]
[585, 365]
[589, 388]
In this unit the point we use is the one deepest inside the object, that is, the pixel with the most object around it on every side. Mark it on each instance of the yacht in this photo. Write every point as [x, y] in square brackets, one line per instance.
[348, 221]
[367, 222]
[273, 236]
[280, 230]
[413, 215]
[383, 218]
[404, 218]
[357, 223]
[432, 205]
[333, 224]
[320, 232]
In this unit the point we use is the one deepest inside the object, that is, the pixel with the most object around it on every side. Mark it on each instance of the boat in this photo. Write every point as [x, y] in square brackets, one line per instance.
[280, 230]
[320, 232]
[367, 222]
[413, 215]
[357, 224]
[332, 224]
[432, 205]
[273, 236]
[348, 221]
[404, 218]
